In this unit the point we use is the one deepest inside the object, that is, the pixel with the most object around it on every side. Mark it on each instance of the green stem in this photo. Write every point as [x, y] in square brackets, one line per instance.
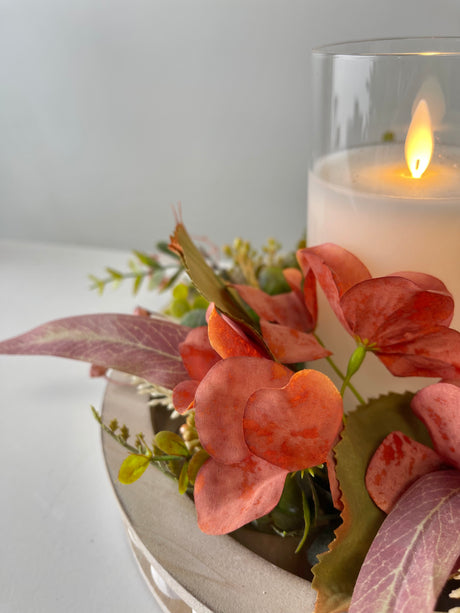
[307, 522]
[340, 374]
[126, 445]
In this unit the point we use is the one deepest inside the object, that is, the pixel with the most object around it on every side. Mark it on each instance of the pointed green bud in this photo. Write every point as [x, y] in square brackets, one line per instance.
[356, 360]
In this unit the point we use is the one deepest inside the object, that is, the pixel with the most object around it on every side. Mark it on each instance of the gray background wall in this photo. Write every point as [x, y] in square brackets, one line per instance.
[111, 111]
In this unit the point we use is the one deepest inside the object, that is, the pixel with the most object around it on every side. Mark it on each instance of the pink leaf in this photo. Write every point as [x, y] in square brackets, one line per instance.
[438, 406]
[229, 496]
[414, 551]
[146, 347]
[294, 427]
[397, 463]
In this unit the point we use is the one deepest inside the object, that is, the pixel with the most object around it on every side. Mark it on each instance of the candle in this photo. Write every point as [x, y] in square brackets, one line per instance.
[395, 215]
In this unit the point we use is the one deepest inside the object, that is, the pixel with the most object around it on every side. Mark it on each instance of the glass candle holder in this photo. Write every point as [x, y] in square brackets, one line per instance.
[384, 180]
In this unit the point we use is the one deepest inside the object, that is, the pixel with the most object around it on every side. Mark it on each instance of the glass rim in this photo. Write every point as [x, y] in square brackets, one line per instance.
[417, 46]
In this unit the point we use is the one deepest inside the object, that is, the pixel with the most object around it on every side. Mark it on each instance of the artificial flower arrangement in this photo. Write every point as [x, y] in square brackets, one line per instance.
[264, 439]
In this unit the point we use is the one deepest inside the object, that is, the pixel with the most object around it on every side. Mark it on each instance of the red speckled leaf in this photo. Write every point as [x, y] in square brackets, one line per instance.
[294, 427]
[438, 406]
[397, 463]
[146, 347]
[229, 496]
[221, 398]
[414, 551]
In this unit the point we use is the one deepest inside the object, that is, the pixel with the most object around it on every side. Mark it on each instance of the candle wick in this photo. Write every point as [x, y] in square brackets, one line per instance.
[417, 164]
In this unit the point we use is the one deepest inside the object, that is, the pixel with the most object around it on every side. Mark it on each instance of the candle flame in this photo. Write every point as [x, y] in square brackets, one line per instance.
[419, 141]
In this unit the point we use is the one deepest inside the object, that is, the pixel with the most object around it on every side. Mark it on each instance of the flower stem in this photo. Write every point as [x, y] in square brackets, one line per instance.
[340, 374]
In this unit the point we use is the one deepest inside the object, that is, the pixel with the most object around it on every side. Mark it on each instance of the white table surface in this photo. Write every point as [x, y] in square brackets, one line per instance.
[63, 544]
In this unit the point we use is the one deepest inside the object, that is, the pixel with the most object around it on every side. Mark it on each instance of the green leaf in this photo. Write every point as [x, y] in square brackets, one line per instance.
[146, 259]
[97, 284]
[365, 428]
[137, 284]
[115, 274]
[196, 462]
[194, 318]
[132, 468]
[183, 479]
[180, 292]
[171, 443]
[208, 283]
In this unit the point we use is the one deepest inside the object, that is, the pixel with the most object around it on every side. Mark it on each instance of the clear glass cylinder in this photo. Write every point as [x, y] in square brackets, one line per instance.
[372, 101]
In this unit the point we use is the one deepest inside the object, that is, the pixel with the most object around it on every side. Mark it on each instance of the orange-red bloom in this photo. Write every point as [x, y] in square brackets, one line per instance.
[258, 421]
[403, 318]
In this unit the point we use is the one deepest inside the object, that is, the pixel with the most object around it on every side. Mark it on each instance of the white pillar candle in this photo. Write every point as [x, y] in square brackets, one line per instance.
[366, 200]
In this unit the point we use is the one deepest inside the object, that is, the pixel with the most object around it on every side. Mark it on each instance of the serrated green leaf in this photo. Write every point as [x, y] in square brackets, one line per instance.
[183, 479]
[365, 428]
[170, 443]
[132, 468]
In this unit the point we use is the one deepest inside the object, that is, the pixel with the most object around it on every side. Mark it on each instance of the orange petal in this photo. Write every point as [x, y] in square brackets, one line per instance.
[184, 395]
[288, 309]
[290, 346]
[294, 427]
[228, 497]
[197, 354]
[227, 340]
[221, 398]
[335, 269]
